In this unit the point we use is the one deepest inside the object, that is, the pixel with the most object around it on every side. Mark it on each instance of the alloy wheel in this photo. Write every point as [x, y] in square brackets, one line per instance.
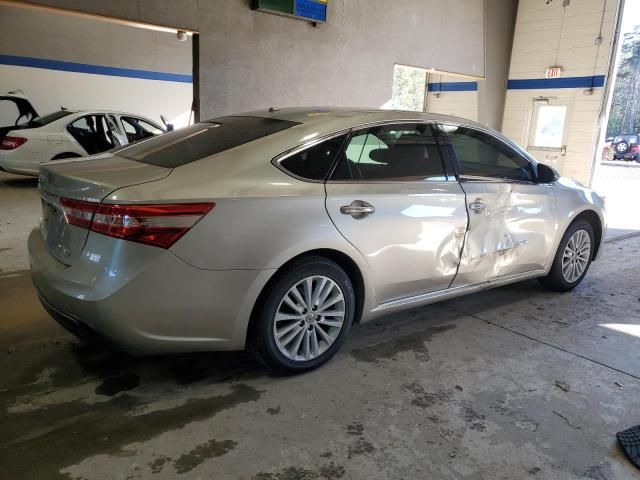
[575, 258]
[309, 318]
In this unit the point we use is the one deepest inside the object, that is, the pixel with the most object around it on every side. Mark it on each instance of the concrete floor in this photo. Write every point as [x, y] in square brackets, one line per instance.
[513, 383]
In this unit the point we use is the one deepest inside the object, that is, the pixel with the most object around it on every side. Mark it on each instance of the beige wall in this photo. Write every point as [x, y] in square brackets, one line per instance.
[548, 35]
[252, 60]
[459, 104]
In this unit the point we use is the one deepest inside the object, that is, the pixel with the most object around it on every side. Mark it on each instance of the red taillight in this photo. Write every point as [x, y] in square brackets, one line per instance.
[160, 225]
[11, 143]
[77, 212]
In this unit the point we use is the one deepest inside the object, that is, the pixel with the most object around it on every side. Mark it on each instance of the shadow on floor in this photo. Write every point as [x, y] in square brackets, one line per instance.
[17, 181]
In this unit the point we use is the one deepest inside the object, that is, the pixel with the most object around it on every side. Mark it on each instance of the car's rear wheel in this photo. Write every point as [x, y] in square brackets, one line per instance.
[304, 317]
[573, 257]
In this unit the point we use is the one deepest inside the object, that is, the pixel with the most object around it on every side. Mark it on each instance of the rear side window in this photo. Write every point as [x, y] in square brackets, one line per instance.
[47, 119]
[202, 140]
[314, 162]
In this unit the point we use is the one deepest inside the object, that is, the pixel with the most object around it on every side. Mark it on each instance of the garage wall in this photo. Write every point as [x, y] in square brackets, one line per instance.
[500, 20]
[453, 96]
[549, 34]
[254, 60]
[51, 56]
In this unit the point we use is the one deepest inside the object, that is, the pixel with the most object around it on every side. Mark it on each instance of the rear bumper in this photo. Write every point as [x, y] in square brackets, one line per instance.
[19, 167]
[145, 299]
[626, 156]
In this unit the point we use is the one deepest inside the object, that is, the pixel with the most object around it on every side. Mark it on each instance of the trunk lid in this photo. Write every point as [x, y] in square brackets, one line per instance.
[87, 179]
[24, 111]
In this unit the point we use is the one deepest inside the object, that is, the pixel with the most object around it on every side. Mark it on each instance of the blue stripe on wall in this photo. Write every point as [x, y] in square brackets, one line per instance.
[453, 87]
[94, 69]
[567, 82]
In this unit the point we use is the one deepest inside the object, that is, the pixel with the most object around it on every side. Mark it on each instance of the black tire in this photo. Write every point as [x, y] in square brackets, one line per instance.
[62, 156]
[262, 342]
[556, 280]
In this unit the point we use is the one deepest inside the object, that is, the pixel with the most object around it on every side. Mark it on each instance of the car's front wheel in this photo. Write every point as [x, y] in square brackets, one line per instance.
[304, 317]
[573, 257]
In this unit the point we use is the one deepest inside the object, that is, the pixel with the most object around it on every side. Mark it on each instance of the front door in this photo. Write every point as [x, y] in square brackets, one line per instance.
[547, 135]
[512, 218]
[391, 198]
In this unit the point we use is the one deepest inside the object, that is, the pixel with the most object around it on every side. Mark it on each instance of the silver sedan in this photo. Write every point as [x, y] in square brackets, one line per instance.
[278, 230]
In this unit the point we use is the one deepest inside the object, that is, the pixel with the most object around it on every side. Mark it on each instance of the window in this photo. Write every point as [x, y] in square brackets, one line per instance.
[92, 133]
[631, 139]
[314, 162]
[202, 140]
[405, 152]
[549, 129]
[409, 88]
[47, 119]
[483, 155]
[138, 129]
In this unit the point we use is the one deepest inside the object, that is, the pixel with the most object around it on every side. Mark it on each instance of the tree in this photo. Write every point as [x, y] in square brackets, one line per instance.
[624, 116]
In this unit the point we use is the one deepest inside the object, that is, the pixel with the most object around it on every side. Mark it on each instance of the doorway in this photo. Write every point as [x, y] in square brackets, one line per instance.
[547, 137]
[617, 167]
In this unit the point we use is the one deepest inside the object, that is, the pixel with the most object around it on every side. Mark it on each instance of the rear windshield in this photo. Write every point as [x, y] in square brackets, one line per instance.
[47, 119]
[201, 140]
[626, 138]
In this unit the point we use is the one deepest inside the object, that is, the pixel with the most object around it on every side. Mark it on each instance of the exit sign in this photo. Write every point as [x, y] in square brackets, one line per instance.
[553, 72]
[311, 10]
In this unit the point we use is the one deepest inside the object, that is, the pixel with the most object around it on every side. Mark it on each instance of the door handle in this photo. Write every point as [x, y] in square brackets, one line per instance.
[358, 209]
[478, 206]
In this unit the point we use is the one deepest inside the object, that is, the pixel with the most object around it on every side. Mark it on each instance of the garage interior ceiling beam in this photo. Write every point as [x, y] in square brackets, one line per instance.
[103, 18]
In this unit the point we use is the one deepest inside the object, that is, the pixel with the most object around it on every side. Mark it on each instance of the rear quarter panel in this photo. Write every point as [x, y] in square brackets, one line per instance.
[262, 219]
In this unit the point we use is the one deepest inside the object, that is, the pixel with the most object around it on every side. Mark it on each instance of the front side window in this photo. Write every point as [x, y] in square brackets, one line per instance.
[483, 155]
[314, 162]
[402, 152]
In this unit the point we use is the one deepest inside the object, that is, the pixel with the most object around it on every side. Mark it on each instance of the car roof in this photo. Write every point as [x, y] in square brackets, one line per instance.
[331, 119]
[116, 112]
[74, 114]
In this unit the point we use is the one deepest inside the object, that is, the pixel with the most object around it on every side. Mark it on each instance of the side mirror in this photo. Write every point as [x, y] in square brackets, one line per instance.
[546, 174]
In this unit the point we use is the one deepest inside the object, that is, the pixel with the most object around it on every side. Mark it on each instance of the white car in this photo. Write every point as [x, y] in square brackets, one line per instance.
[28, 140]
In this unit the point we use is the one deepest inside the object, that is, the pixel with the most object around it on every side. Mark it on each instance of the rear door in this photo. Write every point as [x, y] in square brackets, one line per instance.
[391, 198]
[115, 132]
[512, 218]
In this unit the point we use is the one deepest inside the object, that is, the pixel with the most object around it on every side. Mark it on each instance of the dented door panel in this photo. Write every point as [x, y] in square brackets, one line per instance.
[512, 228]
[412, 241]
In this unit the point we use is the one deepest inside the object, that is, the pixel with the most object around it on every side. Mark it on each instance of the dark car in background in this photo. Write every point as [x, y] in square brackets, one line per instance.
[626, 147]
